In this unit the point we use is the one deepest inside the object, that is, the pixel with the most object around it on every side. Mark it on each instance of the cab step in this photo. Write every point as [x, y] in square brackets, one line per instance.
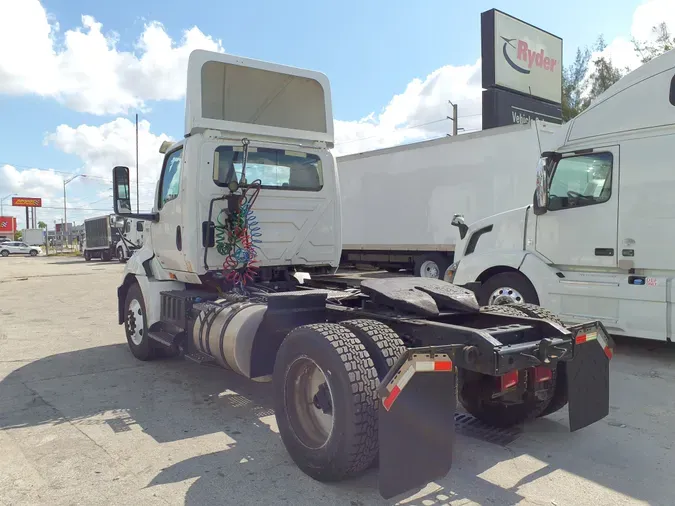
[200, 358]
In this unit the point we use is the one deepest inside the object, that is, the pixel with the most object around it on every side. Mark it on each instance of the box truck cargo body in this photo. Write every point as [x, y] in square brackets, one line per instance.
[33, 236]
[101, 237]
[397, 203]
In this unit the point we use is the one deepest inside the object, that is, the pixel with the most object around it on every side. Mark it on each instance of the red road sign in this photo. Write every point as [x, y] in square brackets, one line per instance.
[26, 202]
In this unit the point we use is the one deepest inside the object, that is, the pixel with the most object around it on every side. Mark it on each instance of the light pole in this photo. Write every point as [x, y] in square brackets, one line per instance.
[65, 216]
[3, 199]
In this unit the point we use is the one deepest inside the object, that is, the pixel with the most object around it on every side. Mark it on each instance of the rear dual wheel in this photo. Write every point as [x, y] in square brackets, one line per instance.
[325, 380]
[475, 391]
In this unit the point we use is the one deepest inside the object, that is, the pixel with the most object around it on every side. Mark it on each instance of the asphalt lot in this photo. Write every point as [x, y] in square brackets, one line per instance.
[83, 422]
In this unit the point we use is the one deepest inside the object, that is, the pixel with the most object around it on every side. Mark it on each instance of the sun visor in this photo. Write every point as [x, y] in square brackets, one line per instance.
[234, 94]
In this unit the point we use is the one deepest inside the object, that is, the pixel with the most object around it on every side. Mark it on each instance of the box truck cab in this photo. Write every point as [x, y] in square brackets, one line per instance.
[597, 241]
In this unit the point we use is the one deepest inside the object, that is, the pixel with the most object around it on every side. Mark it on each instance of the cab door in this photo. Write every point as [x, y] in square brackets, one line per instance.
[167, 233]
[579, 229]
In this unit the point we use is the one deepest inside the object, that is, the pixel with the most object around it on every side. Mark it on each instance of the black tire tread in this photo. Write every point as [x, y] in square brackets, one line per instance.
[535, 311]
[505, 309]
[363, 380]
[387, 343]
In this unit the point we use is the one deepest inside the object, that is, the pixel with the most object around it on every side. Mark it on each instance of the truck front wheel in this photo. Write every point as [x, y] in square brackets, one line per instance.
[120, 255]
[136, 325]
[326, 402]
[507, 288]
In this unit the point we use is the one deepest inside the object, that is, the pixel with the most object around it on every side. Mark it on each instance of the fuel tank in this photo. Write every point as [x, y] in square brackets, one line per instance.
[226, 330]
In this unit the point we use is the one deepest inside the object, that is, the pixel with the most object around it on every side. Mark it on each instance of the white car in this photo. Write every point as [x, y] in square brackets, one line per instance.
[17, 248]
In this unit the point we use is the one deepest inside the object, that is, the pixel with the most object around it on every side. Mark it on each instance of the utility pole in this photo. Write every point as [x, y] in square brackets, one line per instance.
[454, 118]
[65, 216]
[137, 194]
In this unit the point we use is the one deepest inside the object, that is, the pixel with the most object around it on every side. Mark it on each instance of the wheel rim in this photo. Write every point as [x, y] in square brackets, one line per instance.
[135, 322]
[309, 401]
[505, 295]
[4, 254]
[429, 269]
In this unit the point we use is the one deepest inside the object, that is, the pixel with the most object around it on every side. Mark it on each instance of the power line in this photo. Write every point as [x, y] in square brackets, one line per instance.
[17, 166]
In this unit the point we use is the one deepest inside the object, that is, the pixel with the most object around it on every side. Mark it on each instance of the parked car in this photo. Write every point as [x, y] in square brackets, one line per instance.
[18, 248]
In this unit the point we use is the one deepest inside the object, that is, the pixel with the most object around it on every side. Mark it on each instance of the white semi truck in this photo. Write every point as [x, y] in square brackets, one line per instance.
[248, 199]
[597, 240]
[397, 203]
[131, 237]
[101, 238]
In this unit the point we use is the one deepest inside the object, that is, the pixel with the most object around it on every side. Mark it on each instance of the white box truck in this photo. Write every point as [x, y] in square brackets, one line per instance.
[102, 237]
[397, 203]
[597, 240]
[33, 236]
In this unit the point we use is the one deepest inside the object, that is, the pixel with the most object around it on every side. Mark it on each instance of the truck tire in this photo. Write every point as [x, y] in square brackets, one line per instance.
[507, 288]
[326, 401]
[136, 325]
[430, 265]
[382, 343]
[559, 399]
[87, 256]
[475, 394]
[120, 256]
[105, 256]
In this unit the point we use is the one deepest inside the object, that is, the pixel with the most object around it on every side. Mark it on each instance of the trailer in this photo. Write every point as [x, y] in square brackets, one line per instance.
[397, 202]
[101, 238]
[247, 208]
[34, 236]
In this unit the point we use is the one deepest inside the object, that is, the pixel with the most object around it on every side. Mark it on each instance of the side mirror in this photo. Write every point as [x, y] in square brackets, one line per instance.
[122, 196]
[458, 221]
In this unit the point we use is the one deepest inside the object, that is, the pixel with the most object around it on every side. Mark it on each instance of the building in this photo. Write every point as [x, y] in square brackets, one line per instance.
[7, 228]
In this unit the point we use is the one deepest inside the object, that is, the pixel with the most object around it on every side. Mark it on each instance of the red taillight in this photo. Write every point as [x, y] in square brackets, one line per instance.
[542, 373]
[509, 380]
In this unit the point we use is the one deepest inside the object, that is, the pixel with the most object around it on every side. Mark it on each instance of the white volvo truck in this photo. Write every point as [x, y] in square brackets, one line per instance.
[597, 242]
[248, 199]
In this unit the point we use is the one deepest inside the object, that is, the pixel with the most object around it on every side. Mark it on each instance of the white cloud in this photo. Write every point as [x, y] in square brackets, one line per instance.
[102, 147]
[84, 69]
[420, 112]
[621, 50]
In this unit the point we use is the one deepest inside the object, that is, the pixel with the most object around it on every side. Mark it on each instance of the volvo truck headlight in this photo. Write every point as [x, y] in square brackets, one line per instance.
[449, 275]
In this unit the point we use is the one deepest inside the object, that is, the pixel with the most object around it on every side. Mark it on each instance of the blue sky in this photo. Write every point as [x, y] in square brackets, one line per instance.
[371, 51]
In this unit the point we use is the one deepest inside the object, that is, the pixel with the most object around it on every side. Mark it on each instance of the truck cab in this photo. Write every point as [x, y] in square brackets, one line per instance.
[279, 120]
[596, 241]
[131, 232]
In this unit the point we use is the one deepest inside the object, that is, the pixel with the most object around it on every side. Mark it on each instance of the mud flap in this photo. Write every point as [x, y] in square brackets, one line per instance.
[417, 402]
[588, 375]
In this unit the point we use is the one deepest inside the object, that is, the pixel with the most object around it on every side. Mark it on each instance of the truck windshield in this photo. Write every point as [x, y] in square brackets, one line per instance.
[276, 168]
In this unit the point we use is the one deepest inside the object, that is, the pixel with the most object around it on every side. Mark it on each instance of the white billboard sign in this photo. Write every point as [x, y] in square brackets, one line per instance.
[523, 58]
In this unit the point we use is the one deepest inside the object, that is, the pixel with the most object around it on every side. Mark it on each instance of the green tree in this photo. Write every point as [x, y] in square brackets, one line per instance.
[663, 41]
[604, 75]
[42, 224]
[17, 235]
[573, 77]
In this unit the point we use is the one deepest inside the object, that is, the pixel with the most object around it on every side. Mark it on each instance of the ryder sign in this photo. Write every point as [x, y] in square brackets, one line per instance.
[520, 57]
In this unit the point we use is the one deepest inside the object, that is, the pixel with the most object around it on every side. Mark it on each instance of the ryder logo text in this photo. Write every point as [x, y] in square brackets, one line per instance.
[527, 56]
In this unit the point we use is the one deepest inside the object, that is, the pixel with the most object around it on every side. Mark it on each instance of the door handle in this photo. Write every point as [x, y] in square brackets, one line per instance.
[179, 239]
[604, 252]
